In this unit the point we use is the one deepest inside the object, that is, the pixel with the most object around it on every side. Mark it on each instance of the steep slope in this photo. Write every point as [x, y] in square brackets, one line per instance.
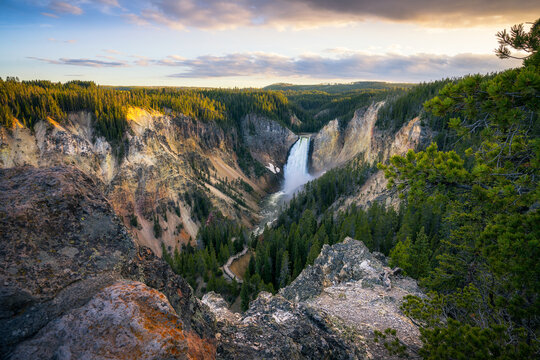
[72, 278]
[164, 158]
[267, 141]
[347, 295]
[334, 147]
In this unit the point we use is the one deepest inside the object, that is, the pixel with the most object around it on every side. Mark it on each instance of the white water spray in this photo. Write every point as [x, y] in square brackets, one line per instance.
[296, 170]
[295, 174]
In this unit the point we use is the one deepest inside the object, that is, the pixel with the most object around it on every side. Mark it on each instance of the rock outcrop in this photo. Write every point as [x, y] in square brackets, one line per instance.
[126, 319]
[63, 253]
[330, 310]
[276, 328]
[268, 141]
[350, 283]
[333, 147]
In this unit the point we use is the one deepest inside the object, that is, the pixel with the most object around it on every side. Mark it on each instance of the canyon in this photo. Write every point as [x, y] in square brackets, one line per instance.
[165, 157]
[63, 178]
[92, 293]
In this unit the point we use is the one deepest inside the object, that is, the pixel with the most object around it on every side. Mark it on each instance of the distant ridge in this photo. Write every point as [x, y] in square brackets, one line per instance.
[338, 88]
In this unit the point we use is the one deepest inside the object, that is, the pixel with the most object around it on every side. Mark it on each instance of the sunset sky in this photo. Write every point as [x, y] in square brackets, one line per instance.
[253, 42]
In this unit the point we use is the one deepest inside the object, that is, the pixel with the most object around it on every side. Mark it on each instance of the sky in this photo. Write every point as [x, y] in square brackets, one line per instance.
[254, 43]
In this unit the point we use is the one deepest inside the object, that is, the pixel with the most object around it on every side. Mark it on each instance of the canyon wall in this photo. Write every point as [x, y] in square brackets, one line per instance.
[268, 141]
[333, 147]
[162, 158]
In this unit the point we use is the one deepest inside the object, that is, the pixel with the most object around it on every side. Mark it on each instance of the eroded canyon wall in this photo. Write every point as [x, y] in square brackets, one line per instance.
[162, 158]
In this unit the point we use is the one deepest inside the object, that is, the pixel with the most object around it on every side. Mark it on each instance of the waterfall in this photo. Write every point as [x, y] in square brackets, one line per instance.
[295, 171]
[295, 174]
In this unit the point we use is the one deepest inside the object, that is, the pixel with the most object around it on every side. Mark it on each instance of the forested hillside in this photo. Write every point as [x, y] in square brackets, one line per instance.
[316, 108]
[30, 101]
[340, 88]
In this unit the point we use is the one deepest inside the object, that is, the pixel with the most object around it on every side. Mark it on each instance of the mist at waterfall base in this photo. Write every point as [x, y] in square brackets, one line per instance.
[295, 174]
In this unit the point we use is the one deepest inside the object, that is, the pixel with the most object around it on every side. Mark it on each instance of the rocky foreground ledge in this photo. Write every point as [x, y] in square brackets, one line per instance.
[73, 285]
[331, 310]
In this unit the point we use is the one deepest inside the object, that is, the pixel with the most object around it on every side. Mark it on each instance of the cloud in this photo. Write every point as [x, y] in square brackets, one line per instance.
[82, 62]
[111, 3]
[135, 19]
[62, 7]
[112, 51]
[71, 41]
[211, 14]
[142, 60]
[75, 7]
[300, 13]
[49, 15]
[336, 64]
[112, 58]
[418, 67]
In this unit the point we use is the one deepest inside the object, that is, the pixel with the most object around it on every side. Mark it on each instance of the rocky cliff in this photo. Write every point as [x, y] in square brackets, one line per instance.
[74, 285]
[331, 310]
[333, 146]
[163, 158]
[268, 141]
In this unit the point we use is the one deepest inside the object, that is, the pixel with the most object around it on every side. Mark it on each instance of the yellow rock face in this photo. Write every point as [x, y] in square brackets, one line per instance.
[163, 158]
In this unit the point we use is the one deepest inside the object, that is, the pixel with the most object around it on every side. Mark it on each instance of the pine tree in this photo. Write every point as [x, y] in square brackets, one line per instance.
[244, 295]
[400, 255]
[284, 273]
[313, 252]
[419, 255]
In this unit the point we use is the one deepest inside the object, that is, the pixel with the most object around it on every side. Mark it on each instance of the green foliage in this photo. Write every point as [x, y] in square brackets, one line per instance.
[484, 278]
[339, 88]
[426, 171]
[391, 342]
[400, 255]
[519, 39]
[200, 204]
[244, 296]
[403, 107]
[316, 108]
[31, 101]
[463, 341]
[158, 231]
[314, 251]
[219, 238]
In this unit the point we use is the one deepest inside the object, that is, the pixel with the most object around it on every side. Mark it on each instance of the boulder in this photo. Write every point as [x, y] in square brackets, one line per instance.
[126, 319]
